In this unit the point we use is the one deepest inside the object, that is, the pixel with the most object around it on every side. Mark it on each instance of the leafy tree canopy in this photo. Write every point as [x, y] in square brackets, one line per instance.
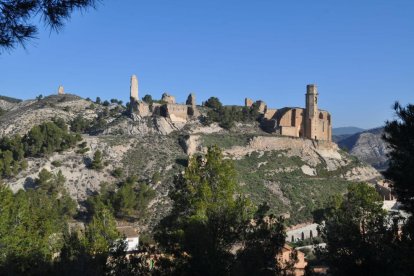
[399, 134]
[16, 18]
[359, 234]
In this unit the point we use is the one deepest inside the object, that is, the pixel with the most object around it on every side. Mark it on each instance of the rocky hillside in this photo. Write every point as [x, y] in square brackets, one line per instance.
[368, 147]
[295, 176]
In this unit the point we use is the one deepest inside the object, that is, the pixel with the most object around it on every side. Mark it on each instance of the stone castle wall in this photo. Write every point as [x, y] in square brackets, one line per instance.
[308, 122]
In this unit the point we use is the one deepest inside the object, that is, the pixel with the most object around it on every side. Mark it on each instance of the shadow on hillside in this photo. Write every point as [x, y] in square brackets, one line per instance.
[29, 183]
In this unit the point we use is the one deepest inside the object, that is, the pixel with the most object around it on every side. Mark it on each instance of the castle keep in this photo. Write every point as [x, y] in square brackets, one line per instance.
[308, 122]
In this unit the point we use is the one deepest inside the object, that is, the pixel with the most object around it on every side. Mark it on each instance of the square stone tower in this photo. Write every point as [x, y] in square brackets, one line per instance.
[311, 112]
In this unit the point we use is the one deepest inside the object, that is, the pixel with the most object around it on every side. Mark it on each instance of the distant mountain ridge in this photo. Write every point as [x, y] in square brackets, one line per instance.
[346, 130]
[368, 146]
[10, 99]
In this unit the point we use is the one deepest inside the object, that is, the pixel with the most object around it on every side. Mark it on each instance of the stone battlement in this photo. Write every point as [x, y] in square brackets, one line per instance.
[308, 122]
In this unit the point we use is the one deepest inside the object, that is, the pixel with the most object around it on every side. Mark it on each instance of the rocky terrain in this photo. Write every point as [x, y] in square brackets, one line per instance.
[368, 147]
[295, 176]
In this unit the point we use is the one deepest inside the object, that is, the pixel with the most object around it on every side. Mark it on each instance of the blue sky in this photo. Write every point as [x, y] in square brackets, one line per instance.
[359, 53]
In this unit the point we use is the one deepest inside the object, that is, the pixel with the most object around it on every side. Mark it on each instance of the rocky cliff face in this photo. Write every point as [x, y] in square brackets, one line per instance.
[369, 147]
[296, 176]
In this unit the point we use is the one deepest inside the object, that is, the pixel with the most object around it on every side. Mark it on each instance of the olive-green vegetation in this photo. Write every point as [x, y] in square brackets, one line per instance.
[227, 116]
[209, 217]
[81, 125]
[117, 172]
[41, 140]
[143, 155]
[128, 199]
[399, 134]
[97, 163]
[277, 179]
[35, 237]
[361, 239]
[32, 223]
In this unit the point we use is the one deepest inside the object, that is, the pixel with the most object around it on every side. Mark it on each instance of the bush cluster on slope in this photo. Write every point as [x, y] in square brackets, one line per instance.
[41, 140]
[227, 116]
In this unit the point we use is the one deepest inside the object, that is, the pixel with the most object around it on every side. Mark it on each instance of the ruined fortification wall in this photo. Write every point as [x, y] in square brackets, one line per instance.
[323, 126]
[270, 113]
[176, 112]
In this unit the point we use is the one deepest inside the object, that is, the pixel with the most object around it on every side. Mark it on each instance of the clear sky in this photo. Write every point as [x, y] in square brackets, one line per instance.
[359, 53]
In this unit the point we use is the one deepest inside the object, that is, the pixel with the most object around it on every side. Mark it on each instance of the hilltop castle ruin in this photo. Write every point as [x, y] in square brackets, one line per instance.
[167, 107]
[308, 122]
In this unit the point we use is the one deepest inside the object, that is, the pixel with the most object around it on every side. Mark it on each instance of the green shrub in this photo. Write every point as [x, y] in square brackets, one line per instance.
[80, 124]
[118, 172]
[56, 163]
[227, 116]
[97, 161]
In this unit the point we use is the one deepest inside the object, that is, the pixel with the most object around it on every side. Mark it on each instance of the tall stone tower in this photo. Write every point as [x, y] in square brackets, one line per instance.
[61, 90]
[134, 88]
[311, 113]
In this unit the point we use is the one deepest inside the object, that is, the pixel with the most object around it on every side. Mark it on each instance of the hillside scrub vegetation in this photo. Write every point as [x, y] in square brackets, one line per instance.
[355, 226]
[41, 140]
[209, 217]
[227, 116]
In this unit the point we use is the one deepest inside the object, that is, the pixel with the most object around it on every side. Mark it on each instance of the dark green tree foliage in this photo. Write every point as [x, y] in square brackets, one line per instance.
[132, 199]
[213, 103]
[48, 138]
[88, 254]
[359, 235]
[118, 172]
[127, 201]
[31, 225]
[263, 240]
[41, 140]
[74, 258]
[17, 17]
[80, 125]
[148, 99]
[207, 216]
[11, 156]
[399, 134]
[97, 161]
[101, 233]
[227, 116]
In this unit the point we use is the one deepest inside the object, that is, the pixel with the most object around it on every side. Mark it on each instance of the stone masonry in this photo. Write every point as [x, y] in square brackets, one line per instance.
[61, 90]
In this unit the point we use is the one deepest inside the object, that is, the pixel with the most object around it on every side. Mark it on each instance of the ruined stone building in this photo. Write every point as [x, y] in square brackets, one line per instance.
[309, 122]
[167, 107]
[61, 90]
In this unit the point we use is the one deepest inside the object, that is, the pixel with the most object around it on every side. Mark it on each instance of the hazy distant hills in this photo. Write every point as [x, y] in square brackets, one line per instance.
[367, 145]
[346, 130]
